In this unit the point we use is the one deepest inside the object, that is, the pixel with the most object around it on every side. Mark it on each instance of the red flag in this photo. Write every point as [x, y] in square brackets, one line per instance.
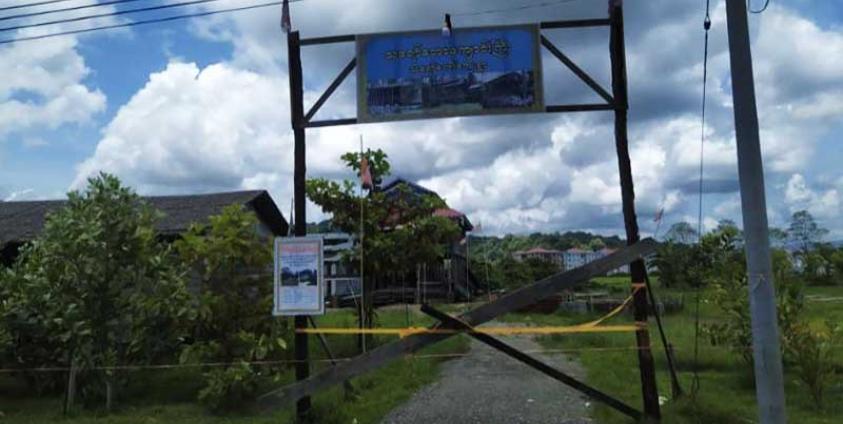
[659, 215]
[365, 173]
[286, 25]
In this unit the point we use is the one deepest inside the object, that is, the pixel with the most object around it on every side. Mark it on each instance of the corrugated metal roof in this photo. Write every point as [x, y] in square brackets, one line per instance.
[22, 221]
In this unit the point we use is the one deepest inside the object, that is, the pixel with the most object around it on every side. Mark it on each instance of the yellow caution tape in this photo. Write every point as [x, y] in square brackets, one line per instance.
[588, 327]
[409, 331]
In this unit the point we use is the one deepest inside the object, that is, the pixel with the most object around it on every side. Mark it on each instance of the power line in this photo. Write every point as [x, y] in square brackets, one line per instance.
[40, 3]
[181, 17]
[144, 22]
[761, 10]
[105, 15]
[66, 9]
[522, 7]
[695, 381]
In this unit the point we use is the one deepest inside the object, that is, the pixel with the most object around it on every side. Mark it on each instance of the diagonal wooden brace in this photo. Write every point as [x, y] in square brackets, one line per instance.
[534, 363]
[517, 299]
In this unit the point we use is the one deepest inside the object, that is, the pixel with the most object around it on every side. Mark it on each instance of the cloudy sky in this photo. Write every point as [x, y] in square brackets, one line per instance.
[202, 105]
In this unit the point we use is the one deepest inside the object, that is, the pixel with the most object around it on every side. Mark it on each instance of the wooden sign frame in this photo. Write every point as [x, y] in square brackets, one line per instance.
[616, 102]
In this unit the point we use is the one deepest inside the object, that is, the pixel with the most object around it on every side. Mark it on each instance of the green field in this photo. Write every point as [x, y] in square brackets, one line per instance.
[726, 393]
[726, 389]
[168, 396]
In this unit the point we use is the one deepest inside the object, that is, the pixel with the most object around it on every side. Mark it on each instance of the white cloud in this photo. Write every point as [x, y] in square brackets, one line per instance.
[187, 127]
[822, 204]
[25, 194]
[50, 75]
[227, 125]
[44, 81]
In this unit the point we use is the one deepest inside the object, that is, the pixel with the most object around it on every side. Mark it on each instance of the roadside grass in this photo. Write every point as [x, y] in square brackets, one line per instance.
[726, 387]
[169, 396]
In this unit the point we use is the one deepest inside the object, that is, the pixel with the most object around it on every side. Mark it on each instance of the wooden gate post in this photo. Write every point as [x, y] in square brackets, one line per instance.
[638, 270]
[299, 171]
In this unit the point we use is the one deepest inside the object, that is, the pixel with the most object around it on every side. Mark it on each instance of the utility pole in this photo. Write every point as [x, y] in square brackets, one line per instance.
[769, 387]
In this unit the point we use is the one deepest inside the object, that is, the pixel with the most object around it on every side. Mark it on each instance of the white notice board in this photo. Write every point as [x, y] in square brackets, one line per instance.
[299, 280]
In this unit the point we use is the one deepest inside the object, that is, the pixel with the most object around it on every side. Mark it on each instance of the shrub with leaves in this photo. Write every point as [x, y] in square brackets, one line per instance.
[95, 289]
[400, 229]
[232, 280]
[812, 353]
[730, 294]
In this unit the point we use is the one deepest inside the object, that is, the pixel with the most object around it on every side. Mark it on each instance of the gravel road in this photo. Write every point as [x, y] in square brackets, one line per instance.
[489, 387]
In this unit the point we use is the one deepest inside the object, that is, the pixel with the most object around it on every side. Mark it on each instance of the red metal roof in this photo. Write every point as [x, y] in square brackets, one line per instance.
[448, 213]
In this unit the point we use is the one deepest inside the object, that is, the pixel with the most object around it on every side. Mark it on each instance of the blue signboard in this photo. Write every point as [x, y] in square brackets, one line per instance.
[469, 72]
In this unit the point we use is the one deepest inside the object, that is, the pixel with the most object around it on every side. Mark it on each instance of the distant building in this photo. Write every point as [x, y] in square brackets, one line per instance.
[21, 222]
[549, 255]
[568, 259]
[574, 258]
[341, 278]
[449, 279]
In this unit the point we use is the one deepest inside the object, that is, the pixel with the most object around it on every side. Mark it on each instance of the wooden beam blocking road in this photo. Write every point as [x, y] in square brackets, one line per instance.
[517, 299]
[535, 363]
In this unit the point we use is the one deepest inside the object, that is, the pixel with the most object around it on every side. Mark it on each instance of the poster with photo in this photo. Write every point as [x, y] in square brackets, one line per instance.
[299, 283]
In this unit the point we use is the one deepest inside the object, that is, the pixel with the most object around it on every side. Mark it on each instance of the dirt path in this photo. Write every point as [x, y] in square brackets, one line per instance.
[489, 387]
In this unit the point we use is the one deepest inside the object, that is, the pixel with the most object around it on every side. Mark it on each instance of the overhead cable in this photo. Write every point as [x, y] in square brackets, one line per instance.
[109, 14]
[39, 3]
[66, 9]
[144, 22]
[761, 10]
[695, 381]
[510, 9]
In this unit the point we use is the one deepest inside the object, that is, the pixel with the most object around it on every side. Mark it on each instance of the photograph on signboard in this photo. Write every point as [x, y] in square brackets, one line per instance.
[299, 287]
[472, 71]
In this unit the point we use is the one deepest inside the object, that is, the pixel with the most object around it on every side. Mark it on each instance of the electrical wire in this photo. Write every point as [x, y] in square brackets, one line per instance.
[145, 22]
[509, 9]
[66, 9]
[105, 15]
[695, 382]
[39, 3]
[183, 16]
[761, 10]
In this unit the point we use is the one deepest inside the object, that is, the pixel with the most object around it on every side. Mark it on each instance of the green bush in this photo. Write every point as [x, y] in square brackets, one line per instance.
[812, 353]
[730, 294]
[95, 289]
[233, 324]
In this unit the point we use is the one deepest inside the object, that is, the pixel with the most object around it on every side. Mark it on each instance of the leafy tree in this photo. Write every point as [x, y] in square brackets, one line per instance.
[730, 294]
[729, 228]
[681, 232]
[540, 269]
[778, 237]
[95, 289]
[511, 274]
[819, 266]
[233, 325]
[681, 264]
[836, 262]
[400, 230]
[596, 243]
[496, 248]
[814, 257]
[812, 352]
[674, 262]
[804, 230]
